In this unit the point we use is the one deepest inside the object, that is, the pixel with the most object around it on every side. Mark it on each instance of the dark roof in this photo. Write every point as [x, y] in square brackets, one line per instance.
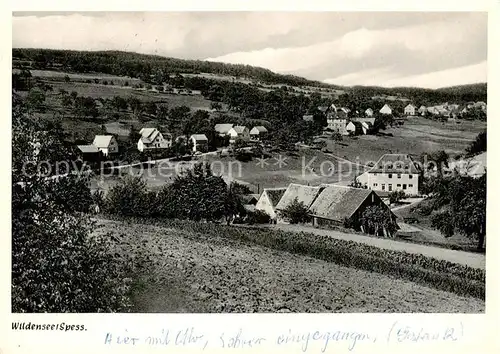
[395, 163]
[339, 202]
[275, 194]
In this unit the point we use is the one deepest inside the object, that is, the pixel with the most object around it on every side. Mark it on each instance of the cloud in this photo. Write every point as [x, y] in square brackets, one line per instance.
[317, 45]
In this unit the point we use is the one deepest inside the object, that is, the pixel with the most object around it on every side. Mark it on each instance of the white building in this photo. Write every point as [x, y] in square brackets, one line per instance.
[238, 132]
[107, 144]
[386, 109]
[258, 132]
[393, 172]
[410, 110]
[200, 142]
[369, 112]
[268, 200]
[151, 138]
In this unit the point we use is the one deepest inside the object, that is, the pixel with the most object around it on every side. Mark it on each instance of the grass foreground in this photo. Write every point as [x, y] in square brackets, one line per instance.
[184, 266]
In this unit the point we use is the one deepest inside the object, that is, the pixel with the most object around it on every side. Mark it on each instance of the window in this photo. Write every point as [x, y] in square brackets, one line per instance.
[383, 187]
[390, 175]
[374, 174]
[399, 175]
[410, 185]
[390, 187]
[375, 184]
[410, 176]
[404, 186]
[399, 186]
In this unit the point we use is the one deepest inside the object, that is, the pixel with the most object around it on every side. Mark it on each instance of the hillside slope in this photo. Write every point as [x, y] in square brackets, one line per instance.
[145, 66]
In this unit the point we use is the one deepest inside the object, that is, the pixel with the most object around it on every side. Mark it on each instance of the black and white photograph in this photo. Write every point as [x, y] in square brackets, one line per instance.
[249, 162]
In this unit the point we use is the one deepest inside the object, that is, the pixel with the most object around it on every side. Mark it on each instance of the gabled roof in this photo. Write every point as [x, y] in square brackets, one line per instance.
[339, 202]
[148, 135]
[223, 128]
[239, 129]
[305, 194]
[88, 148]
[199, 137]
[274, 194]
[370, 120]
[368, 110]
[322, 108]
[102, 141]
[395, 163]
[258, 129]
[385, 106]
[409, 105]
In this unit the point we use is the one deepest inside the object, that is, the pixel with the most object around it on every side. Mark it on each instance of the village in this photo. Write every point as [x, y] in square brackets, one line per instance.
[212, 185]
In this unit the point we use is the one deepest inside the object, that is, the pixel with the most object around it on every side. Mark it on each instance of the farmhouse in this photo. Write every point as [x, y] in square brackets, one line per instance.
[238, 132]
[151, 138]
[268, 200]
[354, 128]
[336, 204]
[422, 110]
[338, 125]
[410, 110]
[366, 124]
[258, 132]
[369, 112]
[304, 194]
[107, 144]
[223, 129]
[200, 142]
[386, 109]
[394, 172]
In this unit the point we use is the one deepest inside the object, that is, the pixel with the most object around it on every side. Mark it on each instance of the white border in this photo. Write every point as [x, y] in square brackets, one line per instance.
[480, 330]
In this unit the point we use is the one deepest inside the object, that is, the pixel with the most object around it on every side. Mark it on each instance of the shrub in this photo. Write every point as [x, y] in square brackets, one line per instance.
[258, 217]
[396, 196]
[296, 212]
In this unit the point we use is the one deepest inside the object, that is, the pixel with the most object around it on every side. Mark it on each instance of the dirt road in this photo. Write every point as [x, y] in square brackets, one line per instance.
[475, 260]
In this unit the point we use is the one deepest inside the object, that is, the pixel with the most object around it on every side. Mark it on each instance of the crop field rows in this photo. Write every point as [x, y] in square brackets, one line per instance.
[187, 268]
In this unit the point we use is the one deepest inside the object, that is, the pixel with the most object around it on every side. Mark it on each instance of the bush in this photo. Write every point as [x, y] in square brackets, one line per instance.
[296, 212]
[396, 196]
[128, 198]
[258, 217]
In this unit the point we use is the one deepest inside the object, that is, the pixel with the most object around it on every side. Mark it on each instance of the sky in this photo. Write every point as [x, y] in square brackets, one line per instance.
[424, 49]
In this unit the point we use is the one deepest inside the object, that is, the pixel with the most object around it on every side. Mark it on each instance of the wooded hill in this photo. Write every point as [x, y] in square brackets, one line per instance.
[155, 68]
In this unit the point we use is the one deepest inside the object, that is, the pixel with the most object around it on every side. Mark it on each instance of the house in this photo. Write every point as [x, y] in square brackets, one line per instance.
[366, 127]
[89, 153]
[422, 110]
[409, 110]
[304, 194]
[394, 172]
[343, 113]
[250, 199]
[107, 144]
[354, 128]
[269, 199]
[258, 132]
[308, 118]
[433, 110]
[223, 128]
[480, 105]
[336, 204]
[238, 132]
[472, 166]
[338, 125]
[200, 142]
[369, 112]
[386, 109]
[151, 138]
